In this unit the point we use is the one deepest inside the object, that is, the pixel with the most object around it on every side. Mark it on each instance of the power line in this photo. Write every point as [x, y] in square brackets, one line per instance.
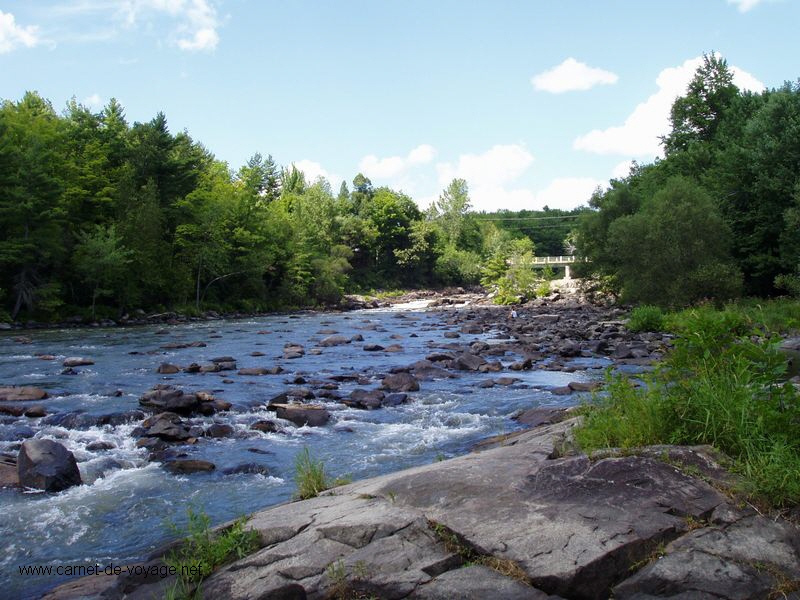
[528, 218]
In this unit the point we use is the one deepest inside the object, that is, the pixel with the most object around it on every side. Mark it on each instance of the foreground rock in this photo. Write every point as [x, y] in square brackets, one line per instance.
[171, 399]
[531, 525]
[47, 465]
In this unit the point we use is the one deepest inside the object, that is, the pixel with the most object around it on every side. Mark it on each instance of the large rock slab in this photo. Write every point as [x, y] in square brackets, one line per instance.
[23, 393]
[46, 465]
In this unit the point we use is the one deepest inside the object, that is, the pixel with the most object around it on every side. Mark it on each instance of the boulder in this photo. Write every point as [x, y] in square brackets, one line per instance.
[166, 398]
[334, 340]
[365, 399]
[312, 415]
[254, 371]
[8, 471]
[22, 393]
[77, 361]
[373, 347]
[167, 427]
[247, 469]
[168, 369]
[584, 386]
[187, 465]
[395, 399]
[468, 362]
[264, 426]
[46, 465]
[219, 430]
[400, 382]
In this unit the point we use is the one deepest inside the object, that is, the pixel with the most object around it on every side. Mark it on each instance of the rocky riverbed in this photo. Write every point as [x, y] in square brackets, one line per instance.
[214, 413]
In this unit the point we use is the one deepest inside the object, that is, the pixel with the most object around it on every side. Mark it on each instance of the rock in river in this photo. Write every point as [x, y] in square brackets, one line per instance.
[312, 415]
[47, 465]
[77, 361]
[13, 393]
[400, 382]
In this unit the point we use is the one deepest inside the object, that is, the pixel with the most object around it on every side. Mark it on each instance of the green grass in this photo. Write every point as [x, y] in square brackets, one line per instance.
[204, 550]
[310, 477]
[646, 318]
[722, 384]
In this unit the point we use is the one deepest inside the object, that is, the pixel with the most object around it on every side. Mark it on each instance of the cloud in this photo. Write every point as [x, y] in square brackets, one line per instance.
[13, 36]
[572, 75]
[94, 101]
[622, 170]
[499, 165]
[639, 135]
[745, 5]
[197, 20]
[313, 170]
[393, 166]
[568, 192]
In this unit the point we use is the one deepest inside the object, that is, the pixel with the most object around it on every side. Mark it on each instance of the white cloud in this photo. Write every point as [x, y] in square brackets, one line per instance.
[745, 5]
[490, 175]
[94, 101]
[639, 135]
[313, 170]
[572, 75]
[622, 170]
[13, 36]
[568, 192]
[499, 165]
[393, 166]
[197, 20]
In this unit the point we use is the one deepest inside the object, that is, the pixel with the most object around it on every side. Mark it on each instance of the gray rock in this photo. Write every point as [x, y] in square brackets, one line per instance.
[745, 560]
[468, 362]
[23, 393]
[476, 582]
[46, 465]
[76, 361]
[188, 465]
[8, 471]
[400, 382]
[365, 399]
[373, 347]
[334, 340]
[312, 415]
[168, 369]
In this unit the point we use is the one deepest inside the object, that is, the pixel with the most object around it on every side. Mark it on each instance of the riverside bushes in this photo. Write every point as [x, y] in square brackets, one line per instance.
[722, 384]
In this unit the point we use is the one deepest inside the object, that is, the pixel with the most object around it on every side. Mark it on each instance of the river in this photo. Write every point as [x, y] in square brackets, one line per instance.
[125, 507]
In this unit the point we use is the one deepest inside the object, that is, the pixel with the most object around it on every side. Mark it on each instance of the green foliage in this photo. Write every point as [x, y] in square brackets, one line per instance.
[646, 318]
[203, 550]
[457, 266]
[310, 476]
[101, 259]
[721, 386]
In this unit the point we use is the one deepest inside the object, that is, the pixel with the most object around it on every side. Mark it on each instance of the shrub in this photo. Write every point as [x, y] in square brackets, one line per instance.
[204, 550]
[646, 318]
[722, 386]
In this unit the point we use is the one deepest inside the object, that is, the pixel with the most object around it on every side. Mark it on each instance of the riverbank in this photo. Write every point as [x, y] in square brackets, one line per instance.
[527, 519]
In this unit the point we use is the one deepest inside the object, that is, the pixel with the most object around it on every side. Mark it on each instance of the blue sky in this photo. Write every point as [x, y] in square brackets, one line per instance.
[533, 102]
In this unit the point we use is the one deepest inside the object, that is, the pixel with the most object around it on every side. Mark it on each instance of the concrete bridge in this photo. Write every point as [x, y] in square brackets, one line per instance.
[540, 262]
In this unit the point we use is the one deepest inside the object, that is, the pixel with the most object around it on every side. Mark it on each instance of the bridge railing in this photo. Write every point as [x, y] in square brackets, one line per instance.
[552, 260]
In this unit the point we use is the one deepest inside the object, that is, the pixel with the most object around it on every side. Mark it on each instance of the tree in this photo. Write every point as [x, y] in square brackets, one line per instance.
[101, 259]
[451, 211]
[676, 250]
[695, 116]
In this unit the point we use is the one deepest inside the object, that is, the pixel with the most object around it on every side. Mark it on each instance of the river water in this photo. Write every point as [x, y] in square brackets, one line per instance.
[123, 510]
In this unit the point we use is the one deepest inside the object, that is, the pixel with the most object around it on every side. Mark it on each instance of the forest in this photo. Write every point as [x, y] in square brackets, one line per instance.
[99, 216]
[719, 216]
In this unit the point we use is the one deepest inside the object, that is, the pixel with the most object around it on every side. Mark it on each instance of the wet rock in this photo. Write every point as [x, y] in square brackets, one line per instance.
[312, 415]
[167, 427]
[569, 349]
[400, 382]
[264, 426]
[439, 357]
[257, 353]
[219, 430]
[22, 393]
[584, 386]
[506, 380]
[293, 351]
[395, 399]
[489, 383]
[522, 365]
[623, 351]
[373, 347]
[468, 362]
[76, 361]
[188, 465]
[212, 368]
[69, 371]
[100, 445]
[334, 340]
[14, 411]
[168, 369]
[535, 417]
[166, 398]
[451, 335]
[357, 338]
[471, 329]
[45, 356]
[394, 348]
[365, 399]
[47, 465]
[561, 390]
[16, 432]
[254, 371]
[491, 367]
[8, 471]
[192, 368]
[247, 469]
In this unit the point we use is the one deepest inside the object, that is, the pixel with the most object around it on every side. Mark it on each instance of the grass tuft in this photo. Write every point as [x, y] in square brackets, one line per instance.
[310, 476]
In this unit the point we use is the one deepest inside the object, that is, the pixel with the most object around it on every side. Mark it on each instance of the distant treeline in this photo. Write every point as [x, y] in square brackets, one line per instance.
[719, 215]
[100, 216]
